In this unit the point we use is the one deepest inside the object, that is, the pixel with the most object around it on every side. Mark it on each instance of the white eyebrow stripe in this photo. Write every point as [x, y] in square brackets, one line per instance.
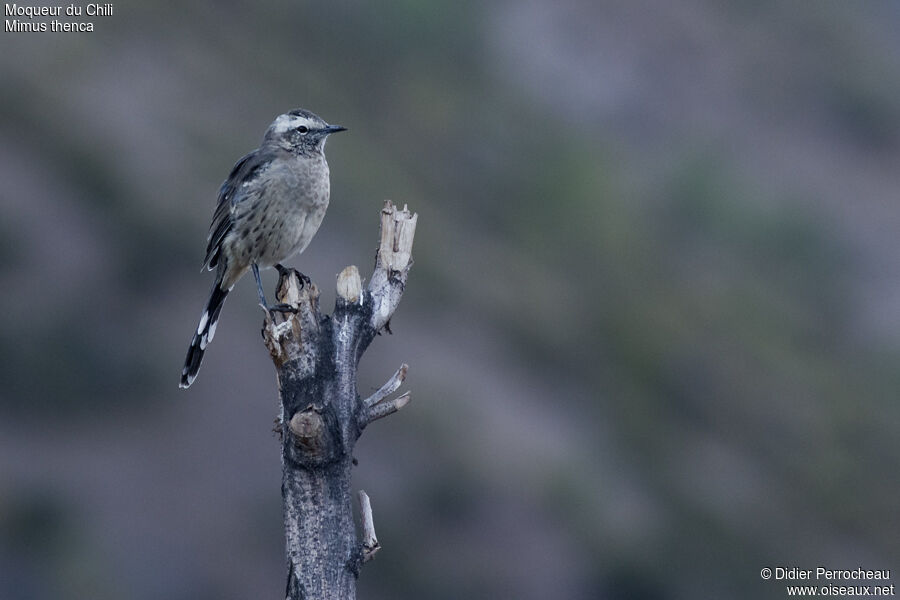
[287, 122]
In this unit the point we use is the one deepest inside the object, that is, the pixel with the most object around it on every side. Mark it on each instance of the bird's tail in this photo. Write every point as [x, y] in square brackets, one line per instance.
[204, 335]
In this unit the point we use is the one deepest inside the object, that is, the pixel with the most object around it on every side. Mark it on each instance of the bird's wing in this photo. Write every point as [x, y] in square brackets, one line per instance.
[244, 171]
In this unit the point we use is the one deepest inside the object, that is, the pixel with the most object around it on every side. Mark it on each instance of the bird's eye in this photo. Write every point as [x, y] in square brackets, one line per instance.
[303, 129]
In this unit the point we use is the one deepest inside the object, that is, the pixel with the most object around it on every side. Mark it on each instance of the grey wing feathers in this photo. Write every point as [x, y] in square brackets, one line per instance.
[222, 221]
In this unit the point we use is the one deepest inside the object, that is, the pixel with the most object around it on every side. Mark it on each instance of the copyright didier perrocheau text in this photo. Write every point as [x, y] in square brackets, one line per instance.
[78, 17]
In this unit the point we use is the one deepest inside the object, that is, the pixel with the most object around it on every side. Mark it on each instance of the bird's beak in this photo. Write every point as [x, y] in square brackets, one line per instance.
[333, 129]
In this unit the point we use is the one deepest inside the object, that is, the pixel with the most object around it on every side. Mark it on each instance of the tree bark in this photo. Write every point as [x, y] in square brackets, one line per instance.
[316, 358]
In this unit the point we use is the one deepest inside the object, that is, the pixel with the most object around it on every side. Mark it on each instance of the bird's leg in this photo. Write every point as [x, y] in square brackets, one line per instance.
[259, 288]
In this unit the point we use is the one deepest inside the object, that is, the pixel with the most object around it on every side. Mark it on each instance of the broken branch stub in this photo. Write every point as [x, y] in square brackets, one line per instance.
[392, 263]
[349, 285]
[398, 228]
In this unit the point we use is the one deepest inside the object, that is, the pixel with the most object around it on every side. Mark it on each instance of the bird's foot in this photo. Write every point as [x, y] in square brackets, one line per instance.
[283, 308]
[283, 271]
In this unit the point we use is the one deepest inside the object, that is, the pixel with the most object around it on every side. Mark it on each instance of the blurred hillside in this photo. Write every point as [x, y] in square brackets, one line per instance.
[653, 325]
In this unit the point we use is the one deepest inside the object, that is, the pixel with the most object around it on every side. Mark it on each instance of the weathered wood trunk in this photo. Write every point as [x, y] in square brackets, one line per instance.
[316, 358]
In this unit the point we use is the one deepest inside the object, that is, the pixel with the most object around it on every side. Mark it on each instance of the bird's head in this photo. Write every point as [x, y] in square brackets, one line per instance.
[300, 131]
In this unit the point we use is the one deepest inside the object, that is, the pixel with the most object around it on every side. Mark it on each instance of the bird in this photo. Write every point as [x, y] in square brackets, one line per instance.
[269, 208]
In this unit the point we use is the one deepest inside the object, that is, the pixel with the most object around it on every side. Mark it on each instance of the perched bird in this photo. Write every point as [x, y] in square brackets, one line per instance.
[269, 209]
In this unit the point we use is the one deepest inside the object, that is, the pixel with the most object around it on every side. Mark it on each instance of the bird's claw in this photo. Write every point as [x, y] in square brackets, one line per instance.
[283, 308]
[284, 271]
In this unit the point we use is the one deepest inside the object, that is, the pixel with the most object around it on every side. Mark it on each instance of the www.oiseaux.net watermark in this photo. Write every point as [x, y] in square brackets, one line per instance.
[821, 581]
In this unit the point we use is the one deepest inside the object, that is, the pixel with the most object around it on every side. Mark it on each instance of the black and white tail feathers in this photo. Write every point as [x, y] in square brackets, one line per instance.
[204, 335]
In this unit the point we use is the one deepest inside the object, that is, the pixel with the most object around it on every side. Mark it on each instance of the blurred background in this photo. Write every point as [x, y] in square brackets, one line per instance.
[653, 325]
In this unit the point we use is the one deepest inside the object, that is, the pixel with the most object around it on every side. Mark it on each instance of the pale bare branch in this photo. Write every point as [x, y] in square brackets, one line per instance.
[385, 408]
[388, 388]
[349, 285]
[369, 543]
[398, 230]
